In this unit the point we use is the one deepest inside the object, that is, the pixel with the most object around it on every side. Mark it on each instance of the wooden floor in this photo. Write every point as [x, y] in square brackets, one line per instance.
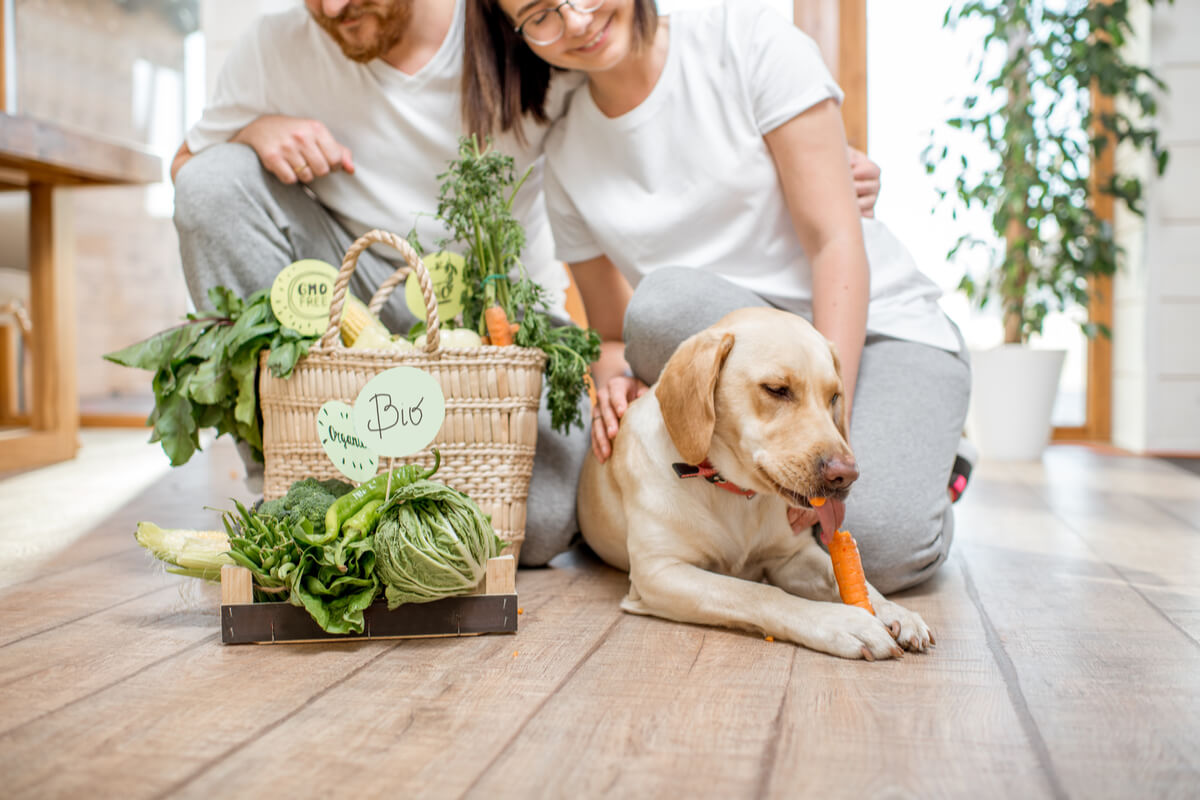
[1067, 665]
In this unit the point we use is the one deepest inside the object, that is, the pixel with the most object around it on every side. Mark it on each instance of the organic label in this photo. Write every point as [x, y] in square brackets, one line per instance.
[445, 271]
[301, 295]
[399, 411]
[335, 427]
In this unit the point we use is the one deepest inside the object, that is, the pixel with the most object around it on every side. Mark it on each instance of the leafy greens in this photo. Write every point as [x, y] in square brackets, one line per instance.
[289, 562]
[206, 371]
[475, 203]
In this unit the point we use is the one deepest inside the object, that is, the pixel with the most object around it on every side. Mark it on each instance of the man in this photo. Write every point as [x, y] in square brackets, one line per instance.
[329, 121]
[353, 109]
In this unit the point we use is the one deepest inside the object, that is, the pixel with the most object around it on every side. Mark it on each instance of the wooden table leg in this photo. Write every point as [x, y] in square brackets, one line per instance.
[55, 403]
[10, 372]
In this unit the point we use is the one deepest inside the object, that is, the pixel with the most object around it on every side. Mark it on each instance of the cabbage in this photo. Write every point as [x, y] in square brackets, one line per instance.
[431, 542]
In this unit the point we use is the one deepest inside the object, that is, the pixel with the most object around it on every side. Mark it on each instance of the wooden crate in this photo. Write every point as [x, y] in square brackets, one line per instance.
[492, 609]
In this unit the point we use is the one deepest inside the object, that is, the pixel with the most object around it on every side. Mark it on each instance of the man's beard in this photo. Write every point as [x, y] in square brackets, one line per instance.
[393, 19]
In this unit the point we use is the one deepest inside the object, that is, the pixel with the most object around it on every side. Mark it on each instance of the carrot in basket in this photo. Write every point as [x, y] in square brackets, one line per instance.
[847, 565]
[499, 331]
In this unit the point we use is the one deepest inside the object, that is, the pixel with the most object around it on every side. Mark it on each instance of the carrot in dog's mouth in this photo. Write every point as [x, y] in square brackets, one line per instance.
[831, 511]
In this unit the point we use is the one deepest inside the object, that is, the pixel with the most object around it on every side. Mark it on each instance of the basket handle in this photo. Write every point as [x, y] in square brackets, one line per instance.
[432, 324]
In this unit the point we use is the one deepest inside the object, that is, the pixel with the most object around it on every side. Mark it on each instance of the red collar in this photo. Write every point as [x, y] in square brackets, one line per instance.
[709, 473]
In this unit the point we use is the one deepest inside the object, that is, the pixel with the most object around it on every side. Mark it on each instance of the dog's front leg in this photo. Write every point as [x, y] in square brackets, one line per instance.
[674, 589]
[809, 574]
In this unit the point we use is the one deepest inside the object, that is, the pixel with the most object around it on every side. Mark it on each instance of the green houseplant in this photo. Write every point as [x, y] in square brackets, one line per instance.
[1056, 89]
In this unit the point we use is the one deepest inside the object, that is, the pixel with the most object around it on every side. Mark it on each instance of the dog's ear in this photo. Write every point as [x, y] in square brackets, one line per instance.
[687, 392]
[839, 417]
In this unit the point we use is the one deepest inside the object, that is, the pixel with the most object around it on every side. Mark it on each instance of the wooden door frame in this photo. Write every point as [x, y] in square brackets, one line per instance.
[1097, 423]
[7, 54]
[840, 30]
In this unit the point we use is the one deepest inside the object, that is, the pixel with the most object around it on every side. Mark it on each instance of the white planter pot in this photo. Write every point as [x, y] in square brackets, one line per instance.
[1012, 396]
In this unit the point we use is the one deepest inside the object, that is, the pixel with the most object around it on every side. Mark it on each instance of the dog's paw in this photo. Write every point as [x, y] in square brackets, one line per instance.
[851, 633]
[906, 626]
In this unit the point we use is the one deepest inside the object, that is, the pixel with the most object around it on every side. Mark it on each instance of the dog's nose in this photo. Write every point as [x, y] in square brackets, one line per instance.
[839, 473]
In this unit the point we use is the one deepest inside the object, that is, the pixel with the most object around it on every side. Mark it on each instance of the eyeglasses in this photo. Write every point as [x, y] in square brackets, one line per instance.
[548, 25]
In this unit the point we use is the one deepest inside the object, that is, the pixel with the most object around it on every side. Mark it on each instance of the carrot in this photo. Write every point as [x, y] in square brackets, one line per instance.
[847, 566]
[848, 570]
[499, 330]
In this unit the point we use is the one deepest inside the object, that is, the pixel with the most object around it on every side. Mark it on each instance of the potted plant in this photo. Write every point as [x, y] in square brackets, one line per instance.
[1055, 89]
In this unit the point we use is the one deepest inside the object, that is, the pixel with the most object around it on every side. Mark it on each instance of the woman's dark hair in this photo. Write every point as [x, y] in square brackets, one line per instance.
[503, 80]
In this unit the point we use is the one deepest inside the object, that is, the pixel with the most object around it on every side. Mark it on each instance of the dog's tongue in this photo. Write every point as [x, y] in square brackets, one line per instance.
[830, 514]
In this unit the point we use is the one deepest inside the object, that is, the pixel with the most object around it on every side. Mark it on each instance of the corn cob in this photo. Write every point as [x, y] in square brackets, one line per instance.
[198, 554]
[356, 318]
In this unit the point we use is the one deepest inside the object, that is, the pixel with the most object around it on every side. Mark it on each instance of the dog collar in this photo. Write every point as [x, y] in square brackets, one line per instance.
[709, 473]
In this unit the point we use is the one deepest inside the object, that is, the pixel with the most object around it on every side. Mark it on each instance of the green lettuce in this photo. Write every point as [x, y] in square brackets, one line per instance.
[431, 542]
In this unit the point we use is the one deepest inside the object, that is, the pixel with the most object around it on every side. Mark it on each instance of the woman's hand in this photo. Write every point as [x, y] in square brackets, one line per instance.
[605, 294]
[866, 181]
[294, 149]
[612, 400]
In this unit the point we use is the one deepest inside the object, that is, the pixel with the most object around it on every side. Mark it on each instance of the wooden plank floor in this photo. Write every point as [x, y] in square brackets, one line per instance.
[1067, 665]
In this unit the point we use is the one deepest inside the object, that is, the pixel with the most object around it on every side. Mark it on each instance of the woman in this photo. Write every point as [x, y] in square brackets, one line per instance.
[712, 139]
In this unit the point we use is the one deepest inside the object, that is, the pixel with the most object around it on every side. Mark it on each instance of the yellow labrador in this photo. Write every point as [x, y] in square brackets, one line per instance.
[755, 401]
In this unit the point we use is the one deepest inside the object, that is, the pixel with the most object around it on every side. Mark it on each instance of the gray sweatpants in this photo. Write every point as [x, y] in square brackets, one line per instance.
[910, 402]
[238, 226]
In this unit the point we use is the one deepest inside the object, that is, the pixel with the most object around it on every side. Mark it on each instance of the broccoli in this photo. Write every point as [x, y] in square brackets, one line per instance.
[274, 508]
[307, 499]
[334, 486]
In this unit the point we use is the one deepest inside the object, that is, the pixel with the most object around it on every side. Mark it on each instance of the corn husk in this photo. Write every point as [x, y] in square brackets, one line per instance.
[199, 554]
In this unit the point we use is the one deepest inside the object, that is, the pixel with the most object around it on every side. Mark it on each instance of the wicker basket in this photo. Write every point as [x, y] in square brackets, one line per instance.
[487, 440]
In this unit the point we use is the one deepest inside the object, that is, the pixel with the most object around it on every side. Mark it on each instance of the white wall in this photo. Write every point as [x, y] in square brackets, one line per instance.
[1156, 358]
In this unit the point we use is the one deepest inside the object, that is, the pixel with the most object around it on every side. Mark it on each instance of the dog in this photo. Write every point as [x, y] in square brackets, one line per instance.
[754, 405]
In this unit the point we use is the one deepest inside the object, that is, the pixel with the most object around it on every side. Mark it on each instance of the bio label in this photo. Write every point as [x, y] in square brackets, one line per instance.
[399, 411]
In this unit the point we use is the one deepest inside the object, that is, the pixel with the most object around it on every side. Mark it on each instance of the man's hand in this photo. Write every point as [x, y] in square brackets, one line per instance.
[295, 149]
[612, 401]
[866, 181]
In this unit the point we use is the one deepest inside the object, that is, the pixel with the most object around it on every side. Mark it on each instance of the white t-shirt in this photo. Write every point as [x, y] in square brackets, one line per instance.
[401, 129]
[686, 179]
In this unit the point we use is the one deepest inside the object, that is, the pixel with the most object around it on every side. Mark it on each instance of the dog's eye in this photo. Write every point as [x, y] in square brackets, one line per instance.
[833, 401]
[783, 391]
